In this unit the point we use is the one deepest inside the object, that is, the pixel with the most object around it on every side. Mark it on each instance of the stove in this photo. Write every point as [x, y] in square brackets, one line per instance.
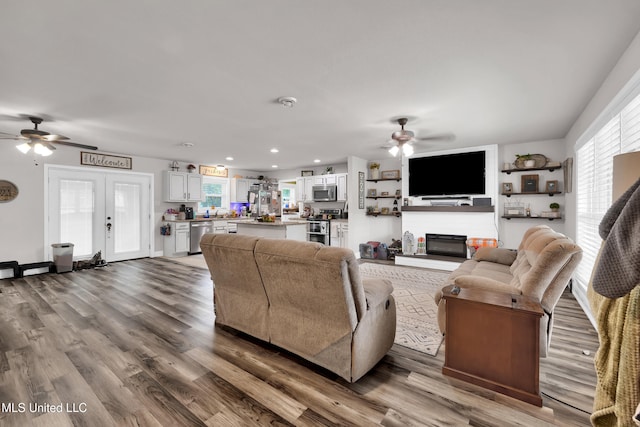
[319, 227]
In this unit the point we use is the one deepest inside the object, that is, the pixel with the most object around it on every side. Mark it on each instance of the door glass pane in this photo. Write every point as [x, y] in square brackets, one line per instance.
[76, 215]
[126, 224]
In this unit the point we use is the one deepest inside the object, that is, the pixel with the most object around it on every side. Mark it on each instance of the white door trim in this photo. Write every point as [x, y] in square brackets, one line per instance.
[48, 167]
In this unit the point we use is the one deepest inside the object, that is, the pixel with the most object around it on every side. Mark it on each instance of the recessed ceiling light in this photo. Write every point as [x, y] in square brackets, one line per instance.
[274, 166]
[274, 150]
[228, 158]
[316, 161]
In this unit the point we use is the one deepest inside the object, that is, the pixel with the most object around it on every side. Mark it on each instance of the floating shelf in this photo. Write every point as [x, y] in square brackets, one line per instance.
[529, 217]
[381, 214]
[448, 208]
[546, 168]
[550, 193]
[383, 179]
[383, 197]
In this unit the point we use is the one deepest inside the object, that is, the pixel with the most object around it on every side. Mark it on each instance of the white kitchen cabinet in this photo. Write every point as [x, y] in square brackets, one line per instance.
[240, 190]
[304, 189]
[182, 187]
[341, 180]
[324, 179]
[177, 244]
[339, 234]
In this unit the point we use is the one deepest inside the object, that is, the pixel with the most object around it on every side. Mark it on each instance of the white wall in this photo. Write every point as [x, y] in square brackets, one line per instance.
[461, 223]
[511, 231]
[621, 85]
[359, 229]
[22, 220]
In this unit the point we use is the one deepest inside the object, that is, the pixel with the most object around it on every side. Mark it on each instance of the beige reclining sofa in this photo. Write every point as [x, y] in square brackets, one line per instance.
[304, 297]
[540, 268]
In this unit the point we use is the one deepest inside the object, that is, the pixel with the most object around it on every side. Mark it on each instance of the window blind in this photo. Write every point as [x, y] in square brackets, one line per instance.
[594, 180]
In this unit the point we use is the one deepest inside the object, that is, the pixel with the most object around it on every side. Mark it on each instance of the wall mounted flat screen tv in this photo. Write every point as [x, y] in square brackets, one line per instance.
[447, 175]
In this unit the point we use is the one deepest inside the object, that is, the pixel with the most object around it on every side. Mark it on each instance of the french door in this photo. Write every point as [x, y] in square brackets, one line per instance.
[99, 211]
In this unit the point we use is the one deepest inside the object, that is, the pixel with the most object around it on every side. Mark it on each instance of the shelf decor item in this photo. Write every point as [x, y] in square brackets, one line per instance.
[391, 174]
[372, 192]
[514, 209]
[552, 186]
[306, 173]
[554, 207]
[529, 184]
[374, 170]
[530, 161]
[507, 188]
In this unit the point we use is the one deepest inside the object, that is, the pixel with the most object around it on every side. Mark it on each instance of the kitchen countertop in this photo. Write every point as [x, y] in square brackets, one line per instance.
[277, 223]
[238, 219]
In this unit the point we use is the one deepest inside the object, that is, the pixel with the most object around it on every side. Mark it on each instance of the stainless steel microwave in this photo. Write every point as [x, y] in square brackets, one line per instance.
[325, 193]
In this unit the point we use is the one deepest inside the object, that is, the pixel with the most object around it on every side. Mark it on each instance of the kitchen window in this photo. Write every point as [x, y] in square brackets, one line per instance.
[216, 194]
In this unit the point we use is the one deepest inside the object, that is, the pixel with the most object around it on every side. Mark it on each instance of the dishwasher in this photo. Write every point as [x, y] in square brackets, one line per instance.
[198, 229]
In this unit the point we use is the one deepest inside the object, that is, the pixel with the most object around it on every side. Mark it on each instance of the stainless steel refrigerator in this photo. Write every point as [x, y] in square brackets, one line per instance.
[264, 202]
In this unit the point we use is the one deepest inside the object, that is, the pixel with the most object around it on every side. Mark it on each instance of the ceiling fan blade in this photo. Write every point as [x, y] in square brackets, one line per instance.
[54, 138]
[75, 144]
[14, 137]
[440, 137]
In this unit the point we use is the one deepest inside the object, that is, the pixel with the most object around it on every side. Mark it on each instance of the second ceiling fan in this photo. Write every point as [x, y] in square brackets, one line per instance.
[402, 140]
[42, 142]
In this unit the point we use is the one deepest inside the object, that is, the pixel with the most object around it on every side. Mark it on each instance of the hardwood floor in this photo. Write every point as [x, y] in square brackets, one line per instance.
[133, 343]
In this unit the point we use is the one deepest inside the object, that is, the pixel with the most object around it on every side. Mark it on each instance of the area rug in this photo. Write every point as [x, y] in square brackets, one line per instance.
[413, 290]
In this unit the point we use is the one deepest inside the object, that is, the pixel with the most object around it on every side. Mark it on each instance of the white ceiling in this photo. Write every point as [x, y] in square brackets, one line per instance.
[141, 77]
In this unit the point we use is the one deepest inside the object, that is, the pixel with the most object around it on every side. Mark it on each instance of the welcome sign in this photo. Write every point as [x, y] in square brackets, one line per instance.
[105, 160]
[214, 171]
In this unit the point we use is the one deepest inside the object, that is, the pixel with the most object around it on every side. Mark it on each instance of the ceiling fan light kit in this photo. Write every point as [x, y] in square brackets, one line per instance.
[402, 140]
[41, 141]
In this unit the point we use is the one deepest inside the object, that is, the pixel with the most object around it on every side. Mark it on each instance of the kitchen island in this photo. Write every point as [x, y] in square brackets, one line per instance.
[292, 230]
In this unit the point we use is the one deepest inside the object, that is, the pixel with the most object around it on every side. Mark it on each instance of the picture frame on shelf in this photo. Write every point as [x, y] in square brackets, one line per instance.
[507, 188]
[398, 192]
[384, 194]
[306, 173]
[384, 211]
[390, 174]
[372, 192]
[529, 183]
[552, 186]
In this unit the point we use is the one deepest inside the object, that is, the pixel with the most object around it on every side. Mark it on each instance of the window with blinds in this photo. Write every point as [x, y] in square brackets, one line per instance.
[594, 174]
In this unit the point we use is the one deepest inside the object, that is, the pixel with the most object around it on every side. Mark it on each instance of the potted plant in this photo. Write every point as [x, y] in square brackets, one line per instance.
[554, 207]
[374, 169]
[526, 159]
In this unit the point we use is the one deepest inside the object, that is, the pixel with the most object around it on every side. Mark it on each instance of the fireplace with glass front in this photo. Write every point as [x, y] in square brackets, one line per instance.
[451, 245]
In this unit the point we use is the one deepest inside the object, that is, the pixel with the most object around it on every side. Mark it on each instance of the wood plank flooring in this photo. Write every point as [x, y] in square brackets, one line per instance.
[133, 344]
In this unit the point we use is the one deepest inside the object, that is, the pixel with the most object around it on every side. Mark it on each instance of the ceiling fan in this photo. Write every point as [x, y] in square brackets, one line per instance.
[42, 142]
[403, 139]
